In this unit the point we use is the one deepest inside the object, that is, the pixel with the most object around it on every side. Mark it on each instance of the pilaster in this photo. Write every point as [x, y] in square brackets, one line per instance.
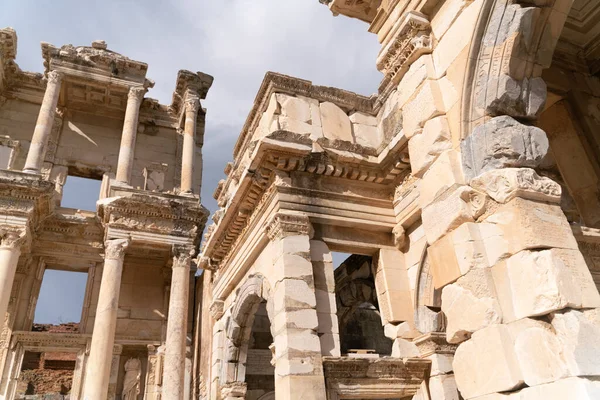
[298, 365]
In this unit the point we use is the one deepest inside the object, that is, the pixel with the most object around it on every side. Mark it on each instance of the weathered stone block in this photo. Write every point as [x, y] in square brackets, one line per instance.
[445, 174]
[367, 136]
[532, 283]
[489, 353]
[443, 387]
[427, 104]
[404, 349]
[363, 119]
[420, 70]
[530, 224]
[569, 388]
[424, 148]
[474, 292]
[294, 107]
[452, 210]
[579, 333]
[500, 143]
[335, 122]
[505, 184]
[428, 320]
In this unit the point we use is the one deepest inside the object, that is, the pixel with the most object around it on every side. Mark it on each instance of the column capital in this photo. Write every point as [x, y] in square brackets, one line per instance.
[114, 249]
[11, 239]
[192, 104]
[182, 256]
[54, 77]
[136, 93]
[287, 224]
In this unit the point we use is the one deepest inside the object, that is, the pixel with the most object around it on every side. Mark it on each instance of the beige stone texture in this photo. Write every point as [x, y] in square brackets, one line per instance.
[569, 388]
[425, 147]
[577, 333]
[489, 353]
[443, 387]
[367, 135]
[533, 225]
[532, 283]
[454, 40]
[336, 123]
[393, 287]
[444, 175]
[403, 348]
[420, 70]
[427, 104]
[451, 210]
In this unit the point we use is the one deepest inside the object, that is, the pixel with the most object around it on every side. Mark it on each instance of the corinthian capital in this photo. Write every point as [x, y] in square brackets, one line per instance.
[182, 256]
[54, 77]
[11, 239]
[136, 93]
[286, 224]
[192, 104]
[114, 249]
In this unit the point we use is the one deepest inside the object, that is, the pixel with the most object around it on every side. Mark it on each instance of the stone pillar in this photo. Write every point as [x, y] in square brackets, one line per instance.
[103, 336]
[174, 367]
[298, 365]
[9, 257]
[192, 105]
[130, 126]
[328, 329]
[79, 374]
[43, 126]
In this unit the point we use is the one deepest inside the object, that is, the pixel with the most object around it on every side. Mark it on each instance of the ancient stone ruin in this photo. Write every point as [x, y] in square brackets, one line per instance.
[466, 193]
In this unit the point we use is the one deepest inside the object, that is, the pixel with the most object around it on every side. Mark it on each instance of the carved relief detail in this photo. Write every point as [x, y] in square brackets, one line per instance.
[136, 93]
[192, 104]
[115, 249]
[54, 77]
[505, 184]
[182, 256]
[286, 224]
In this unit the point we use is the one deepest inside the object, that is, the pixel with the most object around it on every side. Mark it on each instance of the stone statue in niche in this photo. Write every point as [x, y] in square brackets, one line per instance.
[131, 383]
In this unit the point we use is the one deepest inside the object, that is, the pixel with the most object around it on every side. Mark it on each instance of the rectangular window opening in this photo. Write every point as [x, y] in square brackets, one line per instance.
[46, 373]
[81, 193]
[60, 302]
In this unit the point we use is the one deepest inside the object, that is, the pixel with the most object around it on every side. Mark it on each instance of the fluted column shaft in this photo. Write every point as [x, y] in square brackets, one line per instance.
[10, 250]
[130, 125]
[174, 367]
[103, 337]
[43, 126]
[192, 105]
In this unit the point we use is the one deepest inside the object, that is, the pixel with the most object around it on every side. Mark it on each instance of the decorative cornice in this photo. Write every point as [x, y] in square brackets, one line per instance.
[288, 224]
[411, 40]
[115, 249]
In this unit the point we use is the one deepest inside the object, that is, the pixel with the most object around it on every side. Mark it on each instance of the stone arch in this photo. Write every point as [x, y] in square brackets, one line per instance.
[511, 44]
[238, 326]
[427, 300]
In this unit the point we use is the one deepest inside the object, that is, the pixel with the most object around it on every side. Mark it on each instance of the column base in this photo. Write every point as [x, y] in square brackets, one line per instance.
[31, 171]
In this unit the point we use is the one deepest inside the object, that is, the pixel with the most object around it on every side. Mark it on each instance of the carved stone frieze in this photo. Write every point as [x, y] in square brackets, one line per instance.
[217, 309]
[411, 40]
[287, 224]
[505, 184]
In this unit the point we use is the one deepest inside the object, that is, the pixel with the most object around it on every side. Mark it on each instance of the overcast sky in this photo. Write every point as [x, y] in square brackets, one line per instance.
[236, 41]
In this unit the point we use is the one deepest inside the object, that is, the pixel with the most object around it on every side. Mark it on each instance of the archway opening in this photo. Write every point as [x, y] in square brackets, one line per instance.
[260, 371]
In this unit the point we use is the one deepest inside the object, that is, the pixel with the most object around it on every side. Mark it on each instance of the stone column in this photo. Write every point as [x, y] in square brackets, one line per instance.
[44, 124]
[298, 365]
[130, 125]
[103, 336]
[9, 257]
[174, 367]
[192, 105]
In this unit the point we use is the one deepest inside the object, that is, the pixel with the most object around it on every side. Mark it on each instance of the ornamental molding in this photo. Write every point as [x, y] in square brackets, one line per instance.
[54, 78]
[136, 93]
[217, 309]
[284, 224]
[505, 184]
[411, 40]
[12, 238]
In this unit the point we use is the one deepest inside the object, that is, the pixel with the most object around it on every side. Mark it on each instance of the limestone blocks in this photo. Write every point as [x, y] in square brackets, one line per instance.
[424, 148]
[503, 142]
[533, 353]
[317, 120]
